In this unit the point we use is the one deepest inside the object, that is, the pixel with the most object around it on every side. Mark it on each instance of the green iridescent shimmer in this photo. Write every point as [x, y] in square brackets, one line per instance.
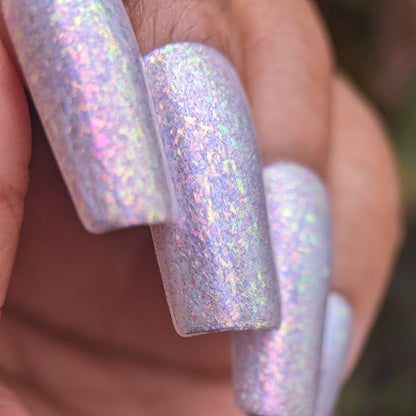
[216, 261]
[85, 73]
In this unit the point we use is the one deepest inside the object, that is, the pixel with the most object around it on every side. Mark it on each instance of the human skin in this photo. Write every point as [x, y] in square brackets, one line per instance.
[86, 329]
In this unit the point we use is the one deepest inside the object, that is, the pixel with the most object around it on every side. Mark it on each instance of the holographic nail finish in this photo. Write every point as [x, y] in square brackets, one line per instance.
[217, 261]
[338, 327]
[85, 73]
[276, 372]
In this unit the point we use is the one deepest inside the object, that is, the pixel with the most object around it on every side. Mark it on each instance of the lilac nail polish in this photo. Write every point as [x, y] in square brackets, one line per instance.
[276, 371]
[85, 73]
[216, 261]
[338, 327]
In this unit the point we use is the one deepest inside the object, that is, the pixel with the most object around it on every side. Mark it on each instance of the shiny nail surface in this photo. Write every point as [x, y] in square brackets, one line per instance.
[276, 372]
[216, 262]
[85, 73]
[338, 327]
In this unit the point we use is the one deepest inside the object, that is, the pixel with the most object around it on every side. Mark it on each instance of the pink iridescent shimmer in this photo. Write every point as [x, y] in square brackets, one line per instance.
[276, 372]
[216, 261]
[85, 73]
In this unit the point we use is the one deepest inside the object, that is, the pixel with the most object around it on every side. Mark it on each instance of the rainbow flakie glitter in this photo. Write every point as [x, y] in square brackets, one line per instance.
[276, 372]
[217, 261]
[85, 73]
[338, 327]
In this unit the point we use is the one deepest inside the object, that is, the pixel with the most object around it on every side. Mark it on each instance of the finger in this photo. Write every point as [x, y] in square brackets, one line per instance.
[14, 163]
[282, 56]
[285, 71]
[281, 52]
[364, 198]
[296, 64]
[215, 23]
[287, 68]
[367, 228]
[366, 209]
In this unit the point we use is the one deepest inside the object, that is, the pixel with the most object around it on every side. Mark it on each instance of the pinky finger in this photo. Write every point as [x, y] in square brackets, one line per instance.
[366, 207]
[367, 230]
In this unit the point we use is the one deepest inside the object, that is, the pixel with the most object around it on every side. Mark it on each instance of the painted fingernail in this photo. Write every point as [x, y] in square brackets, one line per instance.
[85, 73]
[337, 332]
[216, 262]
[276, 371]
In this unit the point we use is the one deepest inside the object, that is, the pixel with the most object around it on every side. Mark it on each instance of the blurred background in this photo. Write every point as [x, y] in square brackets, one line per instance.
[376, 45]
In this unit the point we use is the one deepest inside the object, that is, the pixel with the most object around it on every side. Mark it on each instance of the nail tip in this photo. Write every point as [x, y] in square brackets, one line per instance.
[98, 226]
[235, 327]
[264, 320]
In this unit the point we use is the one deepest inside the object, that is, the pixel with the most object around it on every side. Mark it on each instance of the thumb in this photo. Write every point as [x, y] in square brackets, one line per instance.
[10, 405]
[15, 149]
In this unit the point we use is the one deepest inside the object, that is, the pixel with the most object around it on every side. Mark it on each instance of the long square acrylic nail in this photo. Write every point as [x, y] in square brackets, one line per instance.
[85, 73]
[276, 371]
[216, 261]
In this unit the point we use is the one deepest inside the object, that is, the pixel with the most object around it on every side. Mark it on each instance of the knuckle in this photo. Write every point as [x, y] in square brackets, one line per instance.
[316, 39]
[287, 64]
[165, 21]
[292, 29]
[12, 202]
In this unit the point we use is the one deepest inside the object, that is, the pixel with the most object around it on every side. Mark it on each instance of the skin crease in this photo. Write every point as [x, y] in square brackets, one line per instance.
[86, 329]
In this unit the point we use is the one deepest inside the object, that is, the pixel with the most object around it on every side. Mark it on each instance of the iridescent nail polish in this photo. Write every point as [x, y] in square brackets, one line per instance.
[338, 327]
[276, 372]
[216, 261]
[85, 73]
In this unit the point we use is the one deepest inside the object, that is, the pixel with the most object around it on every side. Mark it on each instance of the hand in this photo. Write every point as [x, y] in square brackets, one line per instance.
[86, 329]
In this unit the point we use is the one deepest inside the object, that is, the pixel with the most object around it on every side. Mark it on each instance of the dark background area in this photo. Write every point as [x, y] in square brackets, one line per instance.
[375, 42]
